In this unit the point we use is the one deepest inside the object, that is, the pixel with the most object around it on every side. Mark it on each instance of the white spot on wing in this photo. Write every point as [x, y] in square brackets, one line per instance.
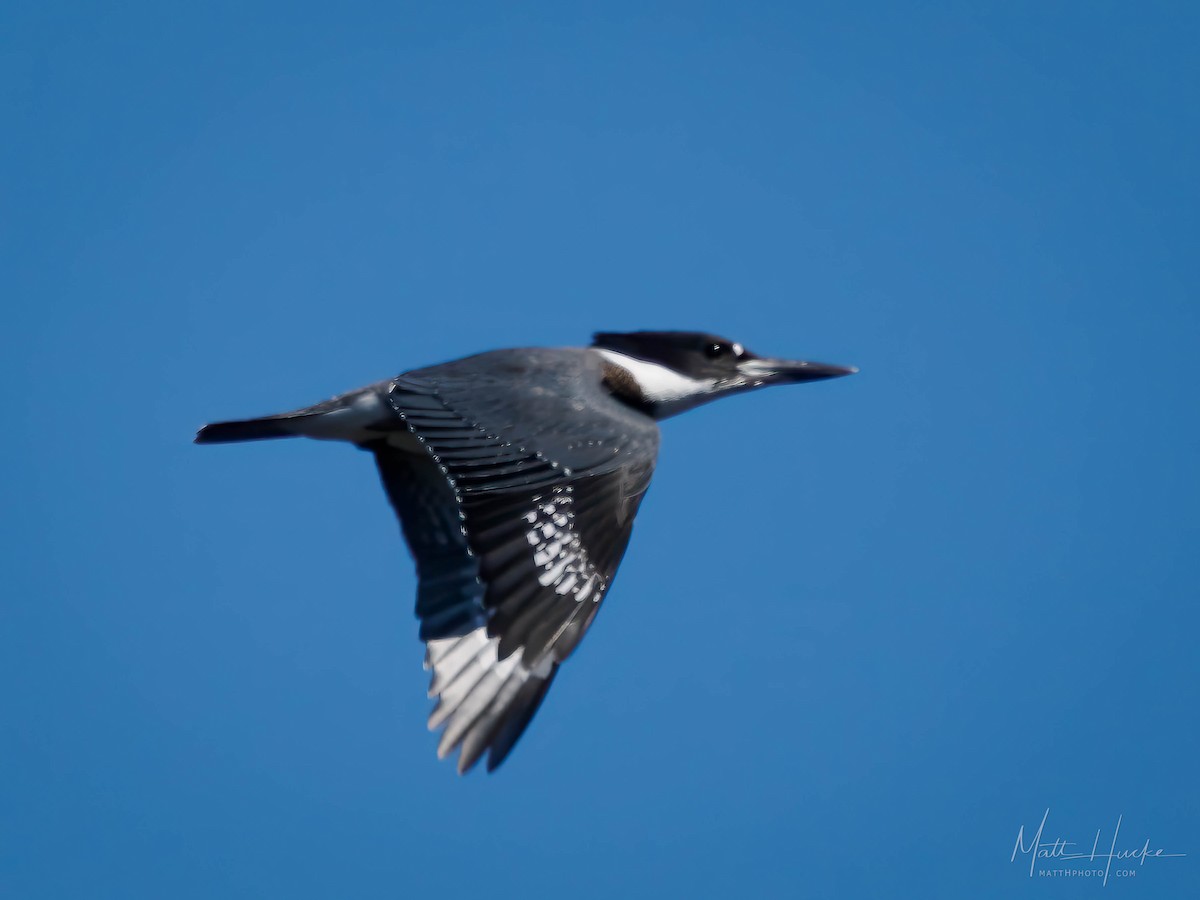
[558, 551]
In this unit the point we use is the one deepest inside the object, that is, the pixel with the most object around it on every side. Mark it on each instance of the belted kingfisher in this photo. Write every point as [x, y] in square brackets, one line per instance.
[516, 475]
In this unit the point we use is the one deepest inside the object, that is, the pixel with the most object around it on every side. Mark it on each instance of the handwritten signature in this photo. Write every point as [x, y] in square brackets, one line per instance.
[1062, 850]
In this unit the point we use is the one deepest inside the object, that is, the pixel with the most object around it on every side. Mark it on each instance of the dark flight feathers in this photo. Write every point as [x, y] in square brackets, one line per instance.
[511, 542]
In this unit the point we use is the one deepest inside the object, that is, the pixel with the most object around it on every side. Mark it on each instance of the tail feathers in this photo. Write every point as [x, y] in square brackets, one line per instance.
[355, 417]
[245, 430]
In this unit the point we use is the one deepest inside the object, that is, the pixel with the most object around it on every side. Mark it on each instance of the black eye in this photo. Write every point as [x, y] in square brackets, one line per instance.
[716, 350]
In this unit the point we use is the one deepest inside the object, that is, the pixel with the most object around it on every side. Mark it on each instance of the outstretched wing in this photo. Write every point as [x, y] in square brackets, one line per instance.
[517, 532]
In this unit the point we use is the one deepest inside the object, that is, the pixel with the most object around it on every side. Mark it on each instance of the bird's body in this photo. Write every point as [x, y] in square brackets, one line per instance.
[516, 475]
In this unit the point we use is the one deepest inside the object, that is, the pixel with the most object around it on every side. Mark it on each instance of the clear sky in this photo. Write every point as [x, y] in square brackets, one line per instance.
[866, 629]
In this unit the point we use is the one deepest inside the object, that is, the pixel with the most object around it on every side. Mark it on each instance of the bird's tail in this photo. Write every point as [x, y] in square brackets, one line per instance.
[247, 430]
[349, 417]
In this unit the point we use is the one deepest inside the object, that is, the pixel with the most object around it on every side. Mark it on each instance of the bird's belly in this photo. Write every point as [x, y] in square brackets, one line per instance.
[367, 418]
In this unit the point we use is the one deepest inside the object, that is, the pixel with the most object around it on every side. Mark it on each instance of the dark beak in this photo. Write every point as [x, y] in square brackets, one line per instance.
[786, 371]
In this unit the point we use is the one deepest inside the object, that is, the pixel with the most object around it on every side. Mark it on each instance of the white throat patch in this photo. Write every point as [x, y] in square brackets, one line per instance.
[668, 390]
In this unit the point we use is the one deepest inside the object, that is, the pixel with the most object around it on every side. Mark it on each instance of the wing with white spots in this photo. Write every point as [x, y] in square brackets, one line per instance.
[515, 546]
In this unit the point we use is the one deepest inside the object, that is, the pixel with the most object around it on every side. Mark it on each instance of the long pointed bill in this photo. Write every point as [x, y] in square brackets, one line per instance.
[784, 371]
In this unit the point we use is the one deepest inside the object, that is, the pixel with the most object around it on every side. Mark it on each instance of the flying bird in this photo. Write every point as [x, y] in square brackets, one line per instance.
[516, 476]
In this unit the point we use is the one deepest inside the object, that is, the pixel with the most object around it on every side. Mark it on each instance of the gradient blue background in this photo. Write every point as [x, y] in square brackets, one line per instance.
[866, 629]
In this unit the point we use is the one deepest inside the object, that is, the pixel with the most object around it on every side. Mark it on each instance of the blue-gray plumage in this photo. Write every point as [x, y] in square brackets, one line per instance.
[516, 476]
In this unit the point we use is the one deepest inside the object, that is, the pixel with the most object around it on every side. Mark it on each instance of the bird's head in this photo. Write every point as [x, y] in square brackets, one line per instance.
[667, 372]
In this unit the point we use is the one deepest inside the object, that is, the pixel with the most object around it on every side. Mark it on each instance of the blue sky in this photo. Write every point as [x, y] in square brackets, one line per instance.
[866, 629]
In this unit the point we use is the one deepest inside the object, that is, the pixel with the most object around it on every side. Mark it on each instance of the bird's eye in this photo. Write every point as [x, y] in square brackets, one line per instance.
[716, 350]
[723, 349]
